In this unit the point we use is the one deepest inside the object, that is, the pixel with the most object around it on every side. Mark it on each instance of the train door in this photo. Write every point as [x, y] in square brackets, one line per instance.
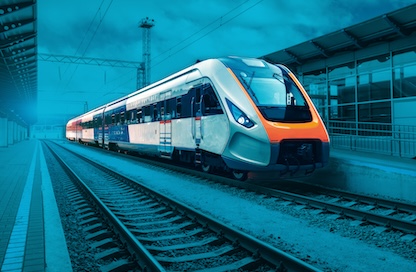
[196, 117]
[165, 128]
[197, 123]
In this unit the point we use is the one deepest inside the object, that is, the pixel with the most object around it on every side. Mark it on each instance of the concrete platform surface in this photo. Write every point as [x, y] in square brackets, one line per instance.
[31, 235]
[368, 173]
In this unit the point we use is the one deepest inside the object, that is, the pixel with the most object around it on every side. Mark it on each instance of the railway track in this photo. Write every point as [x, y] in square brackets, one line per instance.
[384, 214]
[92, 244]
[162, 234]
[388, 214]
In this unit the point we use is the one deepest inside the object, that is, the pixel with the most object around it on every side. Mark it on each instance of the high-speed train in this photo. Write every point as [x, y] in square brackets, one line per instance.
[235, 114]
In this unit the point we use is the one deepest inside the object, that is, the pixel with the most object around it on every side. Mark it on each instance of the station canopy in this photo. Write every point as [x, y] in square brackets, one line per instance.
[18, 63]
[388, 27]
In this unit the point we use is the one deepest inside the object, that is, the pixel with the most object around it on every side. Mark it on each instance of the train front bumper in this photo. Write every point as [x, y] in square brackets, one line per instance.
[288, 156]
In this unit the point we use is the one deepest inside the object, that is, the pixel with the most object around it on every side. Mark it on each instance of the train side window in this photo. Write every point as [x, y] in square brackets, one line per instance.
[147, 117]
[139, 116]
[118, 118]
[198, 95]
[133, 116]
[129, 117]
[155, 113]
[122, 119]
[170, 112]
[162, 113]
[187, 100]
[178, 107]
[211, 103]
[97, 122]
[113, 118]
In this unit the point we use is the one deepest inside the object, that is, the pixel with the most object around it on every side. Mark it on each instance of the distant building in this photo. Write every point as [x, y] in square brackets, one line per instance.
[362, 79]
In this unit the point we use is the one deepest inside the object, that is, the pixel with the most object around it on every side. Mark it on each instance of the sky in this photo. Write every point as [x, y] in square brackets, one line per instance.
[184, 31]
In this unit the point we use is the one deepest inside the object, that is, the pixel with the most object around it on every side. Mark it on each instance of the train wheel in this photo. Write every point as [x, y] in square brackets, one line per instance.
[206, 168]
[239, 175]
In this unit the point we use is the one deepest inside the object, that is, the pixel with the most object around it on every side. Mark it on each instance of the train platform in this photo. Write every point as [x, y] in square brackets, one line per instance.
[369, 173]
[31, 235]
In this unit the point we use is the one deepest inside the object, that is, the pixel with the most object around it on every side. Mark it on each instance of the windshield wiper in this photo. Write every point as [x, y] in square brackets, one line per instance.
[248, 85]
[279, 77]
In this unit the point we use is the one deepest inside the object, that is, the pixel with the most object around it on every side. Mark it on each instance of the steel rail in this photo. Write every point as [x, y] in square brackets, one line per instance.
[282, 260]
[365, 216]
[135, 248]
[378, 202]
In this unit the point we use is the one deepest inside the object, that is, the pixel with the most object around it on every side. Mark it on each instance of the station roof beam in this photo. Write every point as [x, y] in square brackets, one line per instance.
[396, 26]
[18, 61]
[391, 26]
[323, 51]
[293, 57]
[353, 39]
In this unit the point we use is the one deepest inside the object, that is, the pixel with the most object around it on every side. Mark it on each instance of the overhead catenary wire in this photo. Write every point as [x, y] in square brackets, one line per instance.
[91, 39]
[209, 32]
[83, 39]
[221, 23]
[199, 31]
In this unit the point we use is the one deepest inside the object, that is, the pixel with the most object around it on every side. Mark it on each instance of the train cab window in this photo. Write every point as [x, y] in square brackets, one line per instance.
[275, 94]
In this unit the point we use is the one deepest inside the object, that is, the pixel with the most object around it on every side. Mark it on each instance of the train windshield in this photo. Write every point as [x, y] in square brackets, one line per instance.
[276, 95]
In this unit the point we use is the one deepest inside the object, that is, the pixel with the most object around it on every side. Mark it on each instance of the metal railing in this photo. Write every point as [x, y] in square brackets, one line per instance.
[381, 138]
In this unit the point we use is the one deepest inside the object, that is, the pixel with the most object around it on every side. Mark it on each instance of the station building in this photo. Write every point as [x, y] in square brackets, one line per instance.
[362, 80]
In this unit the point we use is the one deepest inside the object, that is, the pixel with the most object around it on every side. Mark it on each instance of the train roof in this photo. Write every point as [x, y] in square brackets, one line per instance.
[231, 62]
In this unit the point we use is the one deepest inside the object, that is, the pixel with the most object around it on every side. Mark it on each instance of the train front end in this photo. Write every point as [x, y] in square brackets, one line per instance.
[278, 128]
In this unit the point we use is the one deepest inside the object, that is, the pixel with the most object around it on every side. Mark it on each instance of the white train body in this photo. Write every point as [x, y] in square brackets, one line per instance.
[211, 114]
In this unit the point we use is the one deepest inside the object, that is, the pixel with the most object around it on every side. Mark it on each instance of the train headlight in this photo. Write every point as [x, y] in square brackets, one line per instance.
[239, 116]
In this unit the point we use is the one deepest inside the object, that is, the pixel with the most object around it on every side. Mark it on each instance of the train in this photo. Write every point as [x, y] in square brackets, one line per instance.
[233, 114]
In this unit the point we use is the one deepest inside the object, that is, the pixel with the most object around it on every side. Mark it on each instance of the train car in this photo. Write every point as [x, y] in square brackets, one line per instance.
[238, 114]
[87, 128]
[73, 129]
